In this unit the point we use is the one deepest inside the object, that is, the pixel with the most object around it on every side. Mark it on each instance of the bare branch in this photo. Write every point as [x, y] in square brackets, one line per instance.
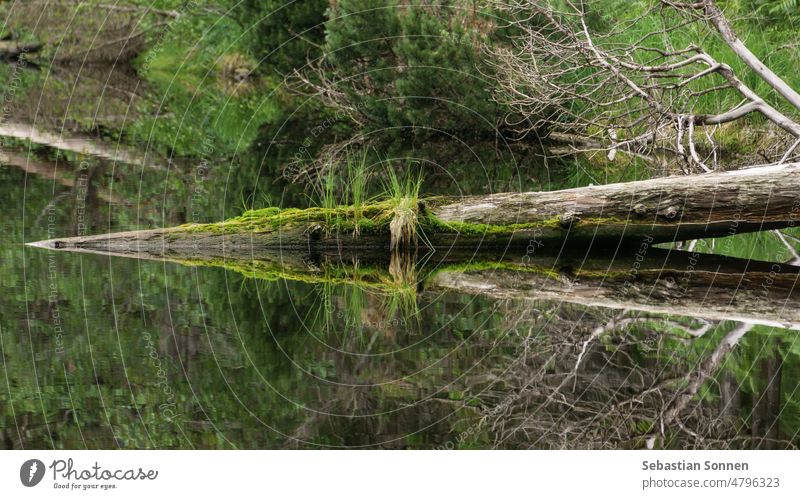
[563, 77]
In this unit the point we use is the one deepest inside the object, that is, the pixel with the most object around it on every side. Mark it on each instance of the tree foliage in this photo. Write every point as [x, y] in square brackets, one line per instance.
[284, 34]
[412, 64]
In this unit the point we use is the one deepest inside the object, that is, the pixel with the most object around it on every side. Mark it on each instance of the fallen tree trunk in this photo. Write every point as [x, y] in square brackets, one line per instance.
[659, 210]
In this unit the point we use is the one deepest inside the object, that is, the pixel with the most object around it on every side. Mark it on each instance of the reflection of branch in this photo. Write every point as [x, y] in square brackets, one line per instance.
[80, 145]
[599, 331]
[706, 369]
[55, 172]
[795, 260]
[617, 401]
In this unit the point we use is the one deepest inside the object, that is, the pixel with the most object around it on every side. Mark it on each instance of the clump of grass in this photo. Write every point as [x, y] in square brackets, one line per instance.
[357, 177]
[403, 302]
[404, 197]
[403, 227]
[352, 191]
[329, 196]
[394, 209]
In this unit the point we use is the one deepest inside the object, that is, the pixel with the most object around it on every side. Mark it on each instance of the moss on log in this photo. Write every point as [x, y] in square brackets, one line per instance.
[658, 210]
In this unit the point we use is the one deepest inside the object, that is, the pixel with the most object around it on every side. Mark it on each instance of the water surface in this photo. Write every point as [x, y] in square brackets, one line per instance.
[108, 352]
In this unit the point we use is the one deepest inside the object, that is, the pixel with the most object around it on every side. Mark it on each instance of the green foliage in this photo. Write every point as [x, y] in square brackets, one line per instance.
[402, 187]
[284, 35]
[782, 11]
[198, 106]
[358, 178]
[329, 196]
[413, 64]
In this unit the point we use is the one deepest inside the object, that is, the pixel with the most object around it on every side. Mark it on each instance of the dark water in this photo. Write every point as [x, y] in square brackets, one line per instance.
[107, 352]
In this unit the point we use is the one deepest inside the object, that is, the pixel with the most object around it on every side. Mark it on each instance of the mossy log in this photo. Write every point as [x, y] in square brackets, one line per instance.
[659, 210]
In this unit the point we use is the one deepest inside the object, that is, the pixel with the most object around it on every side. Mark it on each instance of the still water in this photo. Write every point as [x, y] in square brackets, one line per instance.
[109, 352]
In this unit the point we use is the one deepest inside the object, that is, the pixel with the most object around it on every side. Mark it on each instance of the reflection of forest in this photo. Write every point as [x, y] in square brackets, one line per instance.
[642, 381]
[255, 363]
[93, 99]
[456, 371]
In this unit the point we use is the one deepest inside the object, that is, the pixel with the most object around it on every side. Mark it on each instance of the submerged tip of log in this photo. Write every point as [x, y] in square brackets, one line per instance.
[130, 243]
[48, 244]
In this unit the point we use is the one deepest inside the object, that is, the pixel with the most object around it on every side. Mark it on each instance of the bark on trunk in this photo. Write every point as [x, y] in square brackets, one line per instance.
[663, 209]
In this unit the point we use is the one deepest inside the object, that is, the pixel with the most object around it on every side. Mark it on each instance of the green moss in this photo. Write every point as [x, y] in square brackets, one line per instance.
[478, 266]
[373, 277]
[553, 272]
[375, 218]
[260, 213]
[369, 219]
[434, 224]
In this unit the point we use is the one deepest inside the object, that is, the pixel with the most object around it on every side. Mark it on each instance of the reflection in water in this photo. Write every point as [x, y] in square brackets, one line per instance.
[106, 352]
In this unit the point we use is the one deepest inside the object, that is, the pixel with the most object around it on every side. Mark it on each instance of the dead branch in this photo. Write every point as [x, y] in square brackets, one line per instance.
[563, 76]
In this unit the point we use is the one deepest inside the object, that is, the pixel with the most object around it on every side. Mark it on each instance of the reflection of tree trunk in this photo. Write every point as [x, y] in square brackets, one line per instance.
[11, 49]
[646, 279]
[673, 283]
[53, 171]
[767, 407]
[8, 442]
[80, 145]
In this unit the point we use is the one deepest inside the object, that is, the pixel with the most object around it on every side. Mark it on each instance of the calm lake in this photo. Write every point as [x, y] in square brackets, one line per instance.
[109, 352]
